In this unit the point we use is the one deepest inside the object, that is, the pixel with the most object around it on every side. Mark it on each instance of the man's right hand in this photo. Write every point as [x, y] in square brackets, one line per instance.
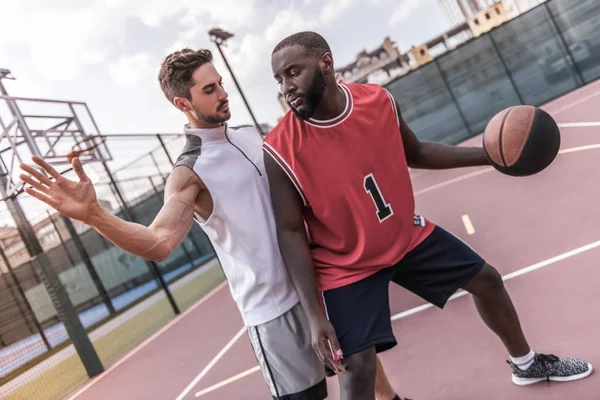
[76, 200]
[325, 343]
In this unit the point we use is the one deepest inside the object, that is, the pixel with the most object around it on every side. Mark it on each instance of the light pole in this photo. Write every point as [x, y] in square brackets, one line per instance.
[218, 36]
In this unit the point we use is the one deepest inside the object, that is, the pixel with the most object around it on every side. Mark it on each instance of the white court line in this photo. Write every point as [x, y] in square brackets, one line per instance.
[468, 224]
[575, 103]
[211, 364]
[490, 169]
[405, 313]
[147, 341]
[507, 277]
[424, 307]
[228, 381]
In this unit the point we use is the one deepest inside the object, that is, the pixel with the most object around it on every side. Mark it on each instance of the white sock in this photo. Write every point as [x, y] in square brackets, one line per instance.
[525, 361]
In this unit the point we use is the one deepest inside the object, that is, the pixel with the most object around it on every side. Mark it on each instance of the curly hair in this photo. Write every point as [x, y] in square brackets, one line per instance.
[175, 76]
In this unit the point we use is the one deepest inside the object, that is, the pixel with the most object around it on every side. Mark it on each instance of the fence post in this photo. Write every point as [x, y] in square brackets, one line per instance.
[454, 100]
[36, 323]
[65, 309]
[89, 265]
[564, 43]
[508, 74]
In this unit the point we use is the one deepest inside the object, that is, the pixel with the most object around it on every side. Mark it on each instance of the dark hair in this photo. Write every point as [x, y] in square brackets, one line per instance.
[311, 41]
[175, 76]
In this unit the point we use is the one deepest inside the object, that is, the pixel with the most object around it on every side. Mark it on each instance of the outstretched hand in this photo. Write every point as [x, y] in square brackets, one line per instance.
[70, 198]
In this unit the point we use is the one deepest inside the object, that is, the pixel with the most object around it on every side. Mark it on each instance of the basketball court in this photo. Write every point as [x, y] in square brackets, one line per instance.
[540, 232]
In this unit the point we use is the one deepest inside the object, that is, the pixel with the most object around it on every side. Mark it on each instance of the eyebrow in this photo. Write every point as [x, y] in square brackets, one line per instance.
[288, 67]
[210, 85]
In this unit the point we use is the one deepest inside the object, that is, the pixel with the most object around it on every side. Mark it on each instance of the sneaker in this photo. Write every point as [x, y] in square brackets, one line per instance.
[548, 367]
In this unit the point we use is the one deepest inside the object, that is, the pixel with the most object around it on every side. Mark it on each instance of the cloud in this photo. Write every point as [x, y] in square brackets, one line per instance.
[333, 8]
[62, 40]
[404, 10]
[128, 71]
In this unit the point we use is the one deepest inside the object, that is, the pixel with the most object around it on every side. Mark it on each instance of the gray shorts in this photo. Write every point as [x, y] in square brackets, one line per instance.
[287, 359]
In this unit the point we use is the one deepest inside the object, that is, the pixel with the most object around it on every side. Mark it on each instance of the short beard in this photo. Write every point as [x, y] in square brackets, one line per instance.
[212, 118]
[313, 97]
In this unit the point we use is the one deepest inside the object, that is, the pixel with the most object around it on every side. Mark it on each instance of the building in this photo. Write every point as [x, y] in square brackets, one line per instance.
[379, 65]
[488, 18]
[460, 11]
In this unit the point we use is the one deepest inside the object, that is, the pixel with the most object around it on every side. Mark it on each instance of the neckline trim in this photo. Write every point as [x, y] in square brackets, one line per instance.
[330, 123]
[208, 135]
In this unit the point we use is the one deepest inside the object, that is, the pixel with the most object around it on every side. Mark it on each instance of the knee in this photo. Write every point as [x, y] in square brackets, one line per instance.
[358, 381]
[487, 282]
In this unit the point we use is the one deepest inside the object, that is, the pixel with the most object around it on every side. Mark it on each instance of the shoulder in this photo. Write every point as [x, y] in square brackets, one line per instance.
[183, 177]
[190, 153]
[282, 131]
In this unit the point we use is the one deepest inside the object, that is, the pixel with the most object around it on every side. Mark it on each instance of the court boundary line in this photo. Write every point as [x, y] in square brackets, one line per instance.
[506, 277]
[211, 364]
[415, 310]
[193, 307]
[523, 271]
[139, 347]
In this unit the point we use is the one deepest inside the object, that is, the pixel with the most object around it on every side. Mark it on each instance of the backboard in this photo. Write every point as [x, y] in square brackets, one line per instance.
[51, 129]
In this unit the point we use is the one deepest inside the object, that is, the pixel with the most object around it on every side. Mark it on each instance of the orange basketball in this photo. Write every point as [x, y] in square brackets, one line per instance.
[521, 140]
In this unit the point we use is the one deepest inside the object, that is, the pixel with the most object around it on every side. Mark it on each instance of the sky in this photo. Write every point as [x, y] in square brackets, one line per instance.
[107, 53]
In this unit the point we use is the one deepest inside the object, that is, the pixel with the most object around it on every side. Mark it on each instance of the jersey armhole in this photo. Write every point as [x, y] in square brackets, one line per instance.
[394, 108]
[286, 168]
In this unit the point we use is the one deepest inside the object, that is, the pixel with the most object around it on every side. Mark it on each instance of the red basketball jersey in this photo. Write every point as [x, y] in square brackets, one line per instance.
[352, 175]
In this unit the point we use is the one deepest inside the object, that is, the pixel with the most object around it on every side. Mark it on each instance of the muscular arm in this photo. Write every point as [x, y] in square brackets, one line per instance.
[431, 155]
[293, 244]
[169, 228]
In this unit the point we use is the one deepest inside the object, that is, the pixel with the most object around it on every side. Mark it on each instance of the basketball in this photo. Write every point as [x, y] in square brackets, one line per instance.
[521, 140]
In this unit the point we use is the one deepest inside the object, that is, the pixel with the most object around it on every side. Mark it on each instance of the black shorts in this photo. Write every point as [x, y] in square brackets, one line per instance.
[434, 270]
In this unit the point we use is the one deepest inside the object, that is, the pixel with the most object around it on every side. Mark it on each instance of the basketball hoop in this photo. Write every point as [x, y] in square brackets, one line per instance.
[77, 152]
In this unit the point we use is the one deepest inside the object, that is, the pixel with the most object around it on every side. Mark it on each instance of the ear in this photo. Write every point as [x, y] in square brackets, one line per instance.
[182, 104]
[327, 64]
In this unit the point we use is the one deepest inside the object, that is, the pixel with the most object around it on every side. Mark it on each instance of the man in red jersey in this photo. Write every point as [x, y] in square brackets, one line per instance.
[344, 207]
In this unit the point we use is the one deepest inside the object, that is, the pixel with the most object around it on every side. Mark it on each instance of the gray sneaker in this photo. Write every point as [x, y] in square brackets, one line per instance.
[548, 367]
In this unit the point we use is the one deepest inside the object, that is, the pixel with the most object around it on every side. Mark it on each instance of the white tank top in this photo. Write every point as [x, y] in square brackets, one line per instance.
[242, 226]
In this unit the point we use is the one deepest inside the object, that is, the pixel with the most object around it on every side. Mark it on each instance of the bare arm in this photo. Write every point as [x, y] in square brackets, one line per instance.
[431, 155]
[293, 244]
[168, 229]
[78, 200]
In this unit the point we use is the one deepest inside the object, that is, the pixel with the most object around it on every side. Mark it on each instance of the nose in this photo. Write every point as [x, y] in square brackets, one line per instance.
[287, 87]
[223, 95]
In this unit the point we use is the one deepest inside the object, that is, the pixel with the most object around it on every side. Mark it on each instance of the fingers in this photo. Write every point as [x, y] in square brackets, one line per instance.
[36, 174]
[39, 186]
[48, 200]
[336, 349]
[78, 168]
[49, 169]
[325, 354]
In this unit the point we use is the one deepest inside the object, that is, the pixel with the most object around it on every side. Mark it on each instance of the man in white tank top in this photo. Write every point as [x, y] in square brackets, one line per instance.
[219, 181]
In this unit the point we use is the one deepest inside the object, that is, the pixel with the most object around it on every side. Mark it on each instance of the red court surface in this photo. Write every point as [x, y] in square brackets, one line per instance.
[540, 232]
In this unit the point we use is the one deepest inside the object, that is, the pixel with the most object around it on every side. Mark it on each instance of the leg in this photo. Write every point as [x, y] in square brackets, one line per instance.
[360, 315]
[383, 387]
[442, 264]
[358, 382]
[497, 310]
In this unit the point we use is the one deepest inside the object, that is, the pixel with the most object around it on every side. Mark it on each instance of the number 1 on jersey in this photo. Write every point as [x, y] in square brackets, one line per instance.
[384, 210]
